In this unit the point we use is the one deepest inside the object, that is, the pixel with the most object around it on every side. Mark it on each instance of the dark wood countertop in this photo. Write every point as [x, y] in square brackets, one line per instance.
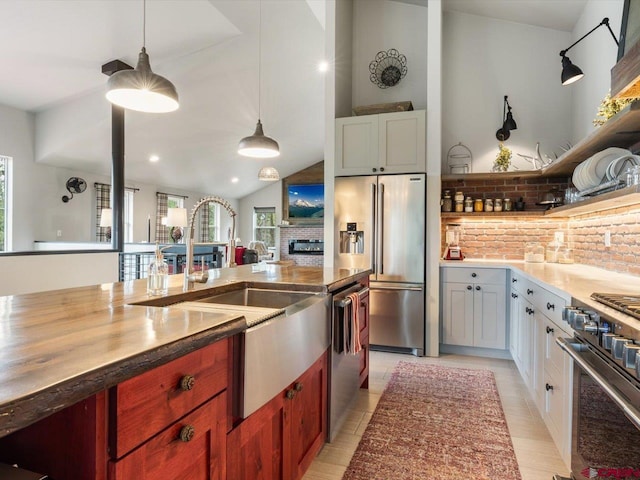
[59, 347]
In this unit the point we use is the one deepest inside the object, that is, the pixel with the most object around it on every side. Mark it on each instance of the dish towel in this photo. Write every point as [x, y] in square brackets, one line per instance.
[354, 325]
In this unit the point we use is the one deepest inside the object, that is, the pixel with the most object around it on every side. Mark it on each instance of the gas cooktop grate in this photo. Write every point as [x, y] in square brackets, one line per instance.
[629, 304]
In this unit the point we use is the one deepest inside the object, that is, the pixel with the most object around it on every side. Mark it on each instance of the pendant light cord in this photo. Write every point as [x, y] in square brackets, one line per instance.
[144, 23]
[259, 58]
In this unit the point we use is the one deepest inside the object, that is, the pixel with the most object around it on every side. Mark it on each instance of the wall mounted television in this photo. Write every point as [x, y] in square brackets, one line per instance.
[306, 202]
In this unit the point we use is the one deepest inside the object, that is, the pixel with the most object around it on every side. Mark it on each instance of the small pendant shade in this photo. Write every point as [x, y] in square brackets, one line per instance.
[268, 174]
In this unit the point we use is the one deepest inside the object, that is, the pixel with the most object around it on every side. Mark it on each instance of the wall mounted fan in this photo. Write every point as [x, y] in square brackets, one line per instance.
[74, 185]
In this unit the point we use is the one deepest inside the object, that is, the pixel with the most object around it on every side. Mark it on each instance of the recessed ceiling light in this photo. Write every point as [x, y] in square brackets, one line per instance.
[323, 66]
[154, 158]
[235, 180]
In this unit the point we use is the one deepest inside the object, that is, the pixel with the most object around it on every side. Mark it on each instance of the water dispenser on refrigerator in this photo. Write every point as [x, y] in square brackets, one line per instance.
[352, 239]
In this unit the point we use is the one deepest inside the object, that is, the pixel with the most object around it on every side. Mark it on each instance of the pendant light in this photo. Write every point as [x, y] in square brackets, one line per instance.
[140, 89]
[268, 174]
[259, 145]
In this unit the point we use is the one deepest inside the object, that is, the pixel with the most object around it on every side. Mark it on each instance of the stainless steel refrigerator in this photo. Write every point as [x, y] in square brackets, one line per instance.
[380, 224]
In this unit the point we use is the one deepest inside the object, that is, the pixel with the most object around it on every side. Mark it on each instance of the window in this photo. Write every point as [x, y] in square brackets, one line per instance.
[5, 214]
[175, 202]
[128, 216]
[213, 218]
[264, 225]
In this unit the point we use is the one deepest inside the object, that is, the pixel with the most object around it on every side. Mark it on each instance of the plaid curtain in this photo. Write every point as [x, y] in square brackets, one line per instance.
[204, 222]
[162, 231]
[103, 200]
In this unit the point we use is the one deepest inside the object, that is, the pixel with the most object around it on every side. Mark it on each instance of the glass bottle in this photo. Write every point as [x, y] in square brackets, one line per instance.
[478, 205]
[488, 205]
[459, 205]
[447, 202]
[158, 275]
[468, 205]
[507, 206]
[497, 205]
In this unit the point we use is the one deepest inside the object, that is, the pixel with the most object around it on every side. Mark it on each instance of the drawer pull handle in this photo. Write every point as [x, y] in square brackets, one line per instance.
[187, 433]
[514, 280]
[551, 306]
[291, 394]
[529, 291]
[187, 383]
[549, 330]
[469, 287]
[298, 386]
[474, 274]
[514, 295]
[548, 387]
[477, 287]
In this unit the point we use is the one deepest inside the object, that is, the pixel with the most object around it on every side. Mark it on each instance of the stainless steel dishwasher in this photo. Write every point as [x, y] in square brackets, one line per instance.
[344, 372]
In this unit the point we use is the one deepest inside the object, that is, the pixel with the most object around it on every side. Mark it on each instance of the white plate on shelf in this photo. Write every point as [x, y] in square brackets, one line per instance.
[592, 171]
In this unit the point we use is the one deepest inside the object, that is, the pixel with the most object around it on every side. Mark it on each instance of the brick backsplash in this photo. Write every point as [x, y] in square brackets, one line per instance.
[529, 189]
[300, 233]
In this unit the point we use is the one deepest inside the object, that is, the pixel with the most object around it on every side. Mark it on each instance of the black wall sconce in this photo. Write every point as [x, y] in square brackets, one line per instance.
[570, 72]
[508, 123]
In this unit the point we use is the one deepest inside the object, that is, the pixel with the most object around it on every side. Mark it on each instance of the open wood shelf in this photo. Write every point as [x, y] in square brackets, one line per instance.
[525, 213]
[624, 197]
[491, 175]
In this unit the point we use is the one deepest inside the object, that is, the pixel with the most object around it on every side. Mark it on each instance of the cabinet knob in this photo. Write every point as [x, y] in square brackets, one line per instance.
[549, 330]
[187, 382]
[298, 386]
[382, 169]
[186, 433]
[548, 387]
[374, 169]
[469, 287]
[514, 280]
[529, 291]
[514, 295]
[551, 306]
[474, 274]
[291, 394]
[477, 287]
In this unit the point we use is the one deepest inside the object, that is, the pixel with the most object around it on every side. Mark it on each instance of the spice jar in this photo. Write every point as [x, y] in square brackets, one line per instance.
[507, 206]
[468, 205]
[488, 205]
[447, 202]
[478, 205]
[497, 206]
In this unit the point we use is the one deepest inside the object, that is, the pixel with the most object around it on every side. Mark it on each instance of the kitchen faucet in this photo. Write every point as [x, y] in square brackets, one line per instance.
[190, 275]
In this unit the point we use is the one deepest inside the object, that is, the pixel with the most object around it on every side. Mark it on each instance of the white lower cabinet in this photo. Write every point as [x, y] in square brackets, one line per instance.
[535, 324]
[474, 311]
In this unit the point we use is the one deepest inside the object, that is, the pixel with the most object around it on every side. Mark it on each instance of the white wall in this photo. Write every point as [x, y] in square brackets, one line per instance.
[269, 196]
[379, 25]
[595, 55]
[37, 273]
[485, 59]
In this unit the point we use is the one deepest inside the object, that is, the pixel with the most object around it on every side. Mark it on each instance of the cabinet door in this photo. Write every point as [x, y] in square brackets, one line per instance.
[356, 145]
[308, 416]
[201, 456]
[525, 343]
[364, 340]
[254, 448]
[402, 138]
[514, 323]
[489, 303]
[457, 314]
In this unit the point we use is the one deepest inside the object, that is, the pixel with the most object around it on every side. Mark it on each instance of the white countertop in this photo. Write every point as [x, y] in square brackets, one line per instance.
[575, 280]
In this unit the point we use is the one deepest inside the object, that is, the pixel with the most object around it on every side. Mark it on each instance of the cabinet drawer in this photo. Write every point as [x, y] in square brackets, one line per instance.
[199, 457]
[495, 276]
[555, 394]
[144, 405]
[549, 304]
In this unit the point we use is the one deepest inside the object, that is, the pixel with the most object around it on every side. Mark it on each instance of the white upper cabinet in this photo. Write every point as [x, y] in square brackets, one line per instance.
[382, 143]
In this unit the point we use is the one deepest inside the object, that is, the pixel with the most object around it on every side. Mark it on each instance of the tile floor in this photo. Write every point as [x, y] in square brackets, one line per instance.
[537, 455]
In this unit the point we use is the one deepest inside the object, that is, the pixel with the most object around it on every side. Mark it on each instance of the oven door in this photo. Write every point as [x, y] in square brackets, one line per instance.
[606, 420]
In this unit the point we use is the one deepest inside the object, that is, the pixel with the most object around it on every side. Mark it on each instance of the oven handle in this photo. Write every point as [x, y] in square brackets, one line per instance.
[573, 349]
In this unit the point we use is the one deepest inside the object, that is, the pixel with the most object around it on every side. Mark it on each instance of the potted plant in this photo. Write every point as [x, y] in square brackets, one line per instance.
[503, 159]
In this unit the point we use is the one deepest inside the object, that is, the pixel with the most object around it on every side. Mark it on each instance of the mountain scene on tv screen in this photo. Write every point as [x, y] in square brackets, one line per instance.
[306, 201]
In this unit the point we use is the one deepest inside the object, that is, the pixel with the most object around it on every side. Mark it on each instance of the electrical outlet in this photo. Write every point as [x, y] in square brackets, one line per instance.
[607, 238]
[559, 237]
[59, 233]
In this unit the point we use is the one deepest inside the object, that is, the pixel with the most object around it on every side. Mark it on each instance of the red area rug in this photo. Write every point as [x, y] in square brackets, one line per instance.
[436, 423]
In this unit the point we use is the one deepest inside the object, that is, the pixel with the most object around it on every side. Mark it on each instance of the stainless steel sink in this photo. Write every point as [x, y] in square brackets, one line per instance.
[256, 297]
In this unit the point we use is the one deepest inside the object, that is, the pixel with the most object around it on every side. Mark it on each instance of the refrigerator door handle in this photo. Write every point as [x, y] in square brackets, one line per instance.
[381, 229]
[374, 252]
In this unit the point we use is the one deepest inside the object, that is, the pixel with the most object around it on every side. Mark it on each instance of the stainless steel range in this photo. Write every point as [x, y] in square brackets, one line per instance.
[606, 388]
